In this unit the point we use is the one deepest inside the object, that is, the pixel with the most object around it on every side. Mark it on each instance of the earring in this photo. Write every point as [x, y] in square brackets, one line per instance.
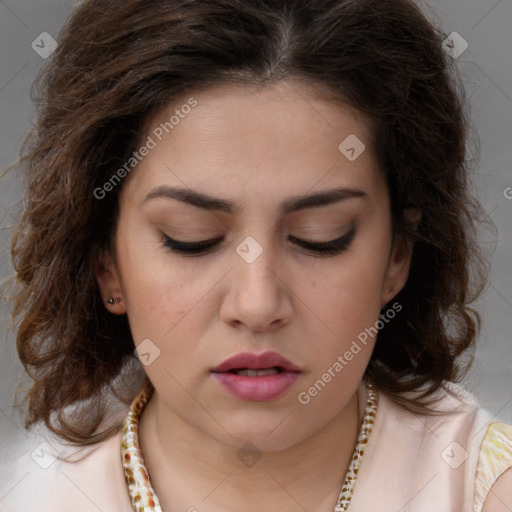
[111, 300]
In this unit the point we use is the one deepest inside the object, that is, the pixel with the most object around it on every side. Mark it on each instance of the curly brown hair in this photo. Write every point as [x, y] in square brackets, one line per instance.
[119, 62]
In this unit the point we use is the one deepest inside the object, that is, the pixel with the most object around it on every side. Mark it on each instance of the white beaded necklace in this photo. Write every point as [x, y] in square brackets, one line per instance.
[144, 499]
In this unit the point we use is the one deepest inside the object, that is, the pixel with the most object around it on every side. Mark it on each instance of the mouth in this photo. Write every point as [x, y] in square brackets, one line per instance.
[268, 361]
[256, 377]
[257, 372]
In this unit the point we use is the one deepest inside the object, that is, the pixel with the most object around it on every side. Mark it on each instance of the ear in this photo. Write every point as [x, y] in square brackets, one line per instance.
[399, 261]
[398, 269]
[109, 283]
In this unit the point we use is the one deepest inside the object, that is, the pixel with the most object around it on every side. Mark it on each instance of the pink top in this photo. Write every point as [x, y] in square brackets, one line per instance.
[411, 463]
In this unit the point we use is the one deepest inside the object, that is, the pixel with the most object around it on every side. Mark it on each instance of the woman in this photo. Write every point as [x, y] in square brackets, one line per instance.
[269, 202]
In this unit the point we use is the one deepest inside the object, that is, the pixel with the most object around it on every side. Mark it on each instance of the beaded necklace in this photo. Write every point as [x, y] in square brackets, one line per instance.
[144, 499]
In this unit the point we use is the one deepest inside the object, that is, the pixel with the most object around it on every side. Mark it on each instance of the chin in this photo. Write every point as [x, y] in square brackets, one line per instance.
[267, 434]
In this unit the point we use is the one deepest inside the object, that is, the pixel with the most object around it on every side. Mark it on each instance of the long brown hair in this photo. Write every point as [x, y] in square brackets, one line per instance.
[119, 62]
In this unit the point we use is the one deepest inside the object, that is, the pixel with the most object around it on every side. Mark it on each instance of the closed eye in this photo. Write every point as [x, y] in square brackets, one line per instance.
[329, 248]
[332, 247]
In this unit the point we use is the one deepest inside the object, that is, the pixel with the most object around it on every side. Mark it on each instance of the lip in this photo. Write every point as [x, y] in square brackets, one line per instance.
[261, 361]
[261, 388]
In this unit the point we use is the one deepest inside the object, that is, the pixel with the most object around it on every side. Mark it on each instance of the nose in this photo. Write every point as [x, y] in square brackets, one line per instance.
[259, 297]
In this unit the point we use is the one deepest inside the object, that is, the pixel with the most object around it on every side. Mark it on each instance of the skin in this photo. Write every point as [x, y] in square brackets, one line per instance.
[256, 148]
[499, 498]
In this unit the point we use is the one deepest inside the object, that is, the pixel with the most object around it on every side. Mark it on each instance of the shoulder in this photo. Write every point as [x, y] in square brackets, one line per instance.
[52, 476]
[493, 485]
[448, 443]
[456, 410]
[499, 498]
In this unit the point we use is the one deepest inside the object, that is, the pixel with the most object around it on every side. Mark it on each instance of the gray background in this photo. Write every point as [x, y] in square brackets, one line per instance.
[486, 68]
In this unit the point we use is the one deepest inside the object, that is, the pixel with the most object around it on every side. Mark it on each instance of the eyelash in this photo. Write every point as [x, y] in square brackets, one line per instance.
[330, 248]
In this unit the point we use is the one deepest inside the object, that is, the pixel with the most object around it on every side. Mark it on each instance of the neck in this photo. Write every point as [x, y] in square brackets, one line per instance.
[191, 470]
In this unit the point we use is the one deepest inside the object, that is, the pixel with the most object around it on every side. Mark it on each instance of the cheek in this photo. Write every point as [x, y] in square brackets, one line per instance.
[352, 288]
[348, 300]
[346, 308]
[155, 292]
[157, 307]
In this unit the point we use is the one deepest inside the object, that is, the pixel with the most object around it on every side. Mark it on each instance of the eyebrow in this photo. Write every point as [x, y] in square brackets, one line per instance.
[292, 204]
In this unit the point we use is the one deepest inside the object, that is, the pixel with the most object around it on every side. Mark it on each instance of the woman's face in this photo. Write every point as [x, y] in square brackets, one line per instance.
[244, 167]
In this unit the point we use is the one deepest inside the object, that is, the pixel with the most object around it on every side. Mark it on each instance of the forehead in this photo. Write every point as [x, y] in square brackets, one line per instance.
[286, 138]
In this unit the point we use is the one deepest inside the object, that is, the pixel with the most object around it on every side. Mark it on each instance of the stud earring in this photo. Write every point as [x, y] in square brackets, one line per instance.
[111, 300]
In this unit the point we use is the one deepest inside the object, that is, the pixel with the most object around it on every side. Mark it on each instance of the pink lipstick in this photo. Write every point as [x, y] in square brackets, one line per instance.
[257, 377]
